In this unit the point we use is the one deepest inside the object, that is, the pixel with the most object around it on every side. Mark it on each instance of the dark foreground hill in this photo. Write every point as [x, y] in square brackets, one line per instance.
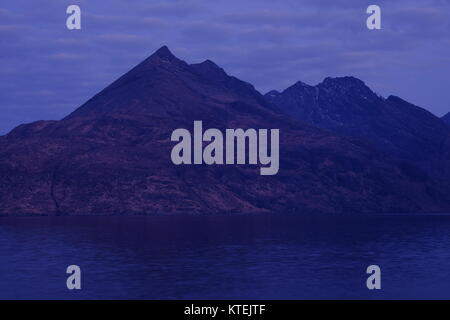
[112, 156]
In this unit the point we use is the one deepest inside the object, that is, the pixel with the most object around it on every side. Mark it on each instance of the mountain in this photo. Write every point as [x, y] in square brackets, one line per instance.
[346, 106]
[446, 118]
[112, 156]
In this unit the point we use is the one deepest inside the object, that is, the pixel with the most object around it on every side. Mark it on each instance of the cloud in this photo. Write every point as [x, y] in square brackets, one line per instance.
[174, 8]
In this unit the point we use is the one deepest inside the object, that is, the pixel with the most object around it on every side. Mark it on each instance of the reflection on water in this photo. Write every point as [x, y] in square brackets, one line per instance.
[225, 257]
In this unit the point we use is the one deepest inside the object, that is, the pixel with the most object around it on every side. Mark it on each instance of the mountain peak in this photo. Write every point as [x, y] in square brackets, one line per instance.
[160, 77]
[349, 86]
[208, 66]
[301, 84]
[298, 88]
[208, 69]
[273, 93]
[164, 53]
[209, 63]
[342, 81]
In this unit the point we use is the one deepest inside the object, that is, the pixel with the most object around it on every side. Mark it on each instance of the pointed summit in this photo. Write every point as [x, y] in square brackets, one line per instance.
[209, 63]
[300, 88]
[161, 84]
[164, 53]
[301, 84]
[210, 69]
[162, 56]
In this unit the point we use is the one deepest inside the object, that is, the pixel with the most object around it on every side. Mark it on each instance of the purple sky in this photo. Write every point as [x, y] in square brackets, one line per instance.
[46, 71]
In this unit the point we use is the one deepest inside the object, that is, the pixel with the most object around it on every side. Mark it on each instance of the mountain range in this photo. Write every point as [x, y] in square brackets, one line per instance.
[348, 107]
[343, 149]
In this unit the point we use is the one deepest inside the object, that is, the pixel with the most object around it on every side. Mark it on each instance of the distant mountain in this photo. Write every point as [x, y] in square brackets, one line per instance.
[446, 118]
[112, 155]
[348, 107]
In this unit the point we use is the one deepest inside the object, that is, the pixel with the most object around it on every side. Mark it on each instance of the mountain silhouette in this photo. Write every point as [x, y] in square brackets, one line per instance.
[346, 106]
[112, 154]
[446, 118]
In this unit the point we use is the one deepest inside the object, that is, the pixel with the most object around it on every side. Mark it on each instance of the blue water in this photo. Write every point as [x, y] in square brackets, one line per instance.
[225, 257]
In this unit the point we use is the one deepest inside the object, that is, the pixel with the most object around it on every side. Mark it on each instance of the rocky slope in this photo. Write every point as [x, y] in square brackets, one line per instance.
[346, 106]
[112, 156]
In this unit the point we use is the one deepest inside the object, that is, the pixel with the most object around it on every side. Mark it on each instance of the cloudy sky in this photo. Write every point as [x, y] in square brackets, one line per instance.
[46, 70]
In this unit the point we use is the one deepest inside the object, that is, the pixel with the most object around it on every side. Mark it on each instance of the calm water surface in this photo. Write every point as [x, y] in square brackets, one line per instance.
[225, 257]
